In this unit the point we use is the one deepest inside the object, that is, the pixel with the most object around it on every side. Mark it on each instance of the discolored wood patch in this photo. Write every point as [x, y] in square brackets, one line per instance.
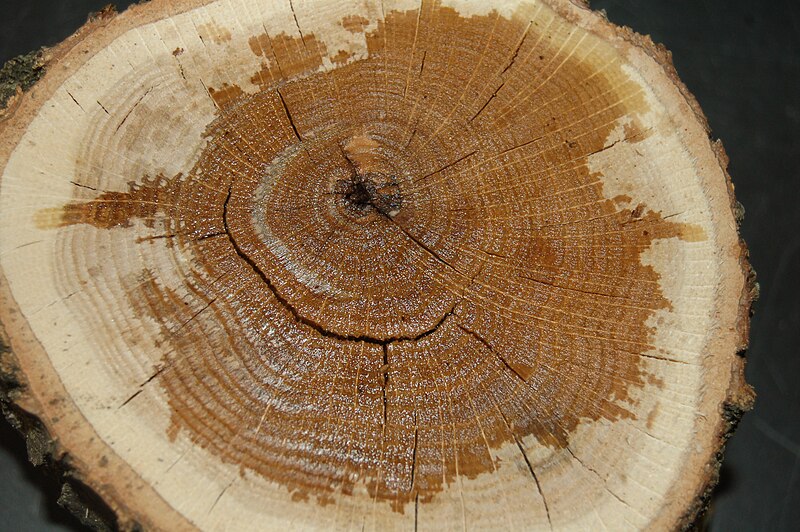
[225, 94]
[486, 290]
[355, 23]
[214, 33]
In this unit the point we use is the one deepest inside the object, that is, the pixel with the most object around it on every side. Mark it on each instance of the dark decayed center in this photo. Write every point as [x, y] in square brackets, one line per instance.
[370, 192]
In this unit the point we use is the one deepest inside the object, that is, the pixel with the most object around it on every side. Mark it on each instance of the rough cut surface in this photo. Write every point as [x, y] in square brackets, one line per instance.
[384, 265]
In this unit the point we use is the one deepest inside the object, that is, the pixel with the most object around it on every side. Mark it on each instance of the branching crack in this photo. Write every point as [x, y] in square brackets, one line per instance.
[306, 321]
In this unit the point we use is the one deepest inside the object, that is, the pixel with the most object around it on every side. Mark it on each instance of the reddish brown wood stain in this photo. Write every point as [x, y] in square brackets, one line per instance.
[507, 298]
[355, 23]
[225, 94]
[115, 209]
[341, 57]
[286, 57]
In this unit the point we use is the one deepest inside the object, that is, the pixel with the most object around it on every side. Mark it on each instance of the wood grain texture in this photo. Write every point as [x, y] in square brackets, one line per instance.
[386, 265]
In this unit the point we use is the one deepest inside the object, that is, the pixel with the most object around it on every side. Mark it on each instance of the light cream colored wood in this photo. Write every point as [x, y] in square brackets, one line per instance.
[128, 97]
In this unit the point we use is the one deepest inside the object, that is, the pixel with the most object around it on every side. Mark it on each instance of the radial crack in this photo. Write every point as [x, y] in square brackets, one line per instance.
[416, 512]
[488, 101]
[488, 346]
[414, 454]
[296, 23]
[605, 483]
[448, 165]
[572, 289]
[385, 371]
[430, 251]
[517, 49]
[535, 479]
[131, 398]
[289, 115]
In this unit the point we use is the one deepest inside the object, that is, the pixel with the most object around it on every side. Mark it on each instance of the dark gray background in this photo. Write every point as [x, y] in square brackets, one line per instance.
[742, 61]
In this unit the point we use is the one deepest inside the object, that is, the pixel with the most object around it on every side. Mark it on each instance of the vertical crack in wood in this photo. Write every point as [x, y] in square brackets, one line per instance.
[414, 454]
[385, 371]
[289, 115]
[535, 479]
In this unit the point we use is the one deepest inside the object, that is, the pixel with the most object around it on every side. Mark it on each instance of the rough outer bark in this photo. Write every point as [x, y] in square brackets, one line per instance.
[20, 73]
[44, 452]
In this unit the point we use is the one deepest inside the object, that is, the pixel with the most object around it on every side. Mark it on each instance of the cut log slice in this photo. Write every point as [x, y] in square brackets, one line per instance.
[383, 265]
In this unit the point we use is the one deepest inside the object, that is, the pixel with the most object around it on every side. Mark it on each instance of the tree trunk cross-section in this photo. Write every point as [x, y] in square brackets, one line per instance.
[385, 265]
